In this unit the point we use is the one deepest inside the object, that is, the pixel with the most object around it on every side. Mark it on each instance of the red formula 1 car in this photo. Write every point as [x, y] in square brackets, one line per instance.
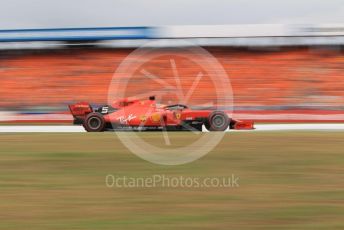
[126, 114]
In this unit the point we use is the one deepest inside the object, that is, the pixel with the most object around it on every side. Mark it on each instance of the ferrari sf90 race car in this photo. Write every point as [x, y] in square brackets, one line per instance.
[140, 115]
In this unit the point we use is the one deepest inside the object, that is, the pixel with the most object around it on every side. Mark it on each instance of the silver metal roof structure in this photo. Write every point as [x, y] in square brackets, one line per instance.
[214, 35]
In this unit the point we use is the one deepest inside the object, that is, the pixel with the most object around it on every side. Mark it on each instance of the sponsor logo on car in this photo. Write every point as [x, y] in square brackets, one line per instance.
[125, 120]
[155, 117]
[143, 118]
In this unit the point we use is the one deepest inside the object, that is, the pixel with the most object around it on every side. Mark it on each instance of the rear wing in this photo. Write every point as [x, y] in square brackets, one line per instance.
[80, 109]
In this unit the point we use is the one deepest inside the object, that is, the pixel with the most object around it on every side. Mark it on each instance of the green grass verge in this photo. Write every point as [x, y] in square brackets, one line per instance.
[288, 180]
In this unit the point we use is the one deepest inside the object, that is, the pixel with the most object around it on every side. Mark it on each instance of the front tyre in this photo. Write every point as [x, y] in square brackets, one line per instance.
[217, 121]
[94, 122]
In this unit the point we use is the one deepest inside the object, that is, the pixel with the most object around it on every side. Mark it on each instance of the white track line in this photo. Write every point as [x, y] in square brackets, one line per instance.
[300, 127]
[259, 127]
[41, 129]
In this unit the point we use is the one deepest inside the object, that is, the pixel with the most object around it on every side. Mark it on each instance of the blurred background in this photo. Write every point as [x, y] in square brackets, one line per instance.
[285, 60]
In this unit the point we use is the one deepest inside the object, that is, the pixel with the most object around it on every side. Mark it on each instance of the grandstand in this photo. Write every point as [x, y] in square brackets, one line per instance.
[274, 69]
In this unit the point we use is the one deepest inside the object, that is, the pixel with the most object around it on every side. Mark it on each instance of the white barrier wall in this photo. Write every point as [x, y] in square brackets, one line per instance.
[250, 30]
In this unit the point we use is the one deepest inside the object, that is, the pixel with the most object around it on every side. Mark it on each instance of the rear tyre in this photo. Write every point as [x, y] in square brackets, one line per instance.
[94, 122]
[217, 121]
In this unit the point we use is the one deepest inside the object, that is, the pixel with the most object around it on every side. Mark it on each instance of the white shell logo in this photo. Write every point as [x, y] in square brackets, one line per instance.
[154, 70]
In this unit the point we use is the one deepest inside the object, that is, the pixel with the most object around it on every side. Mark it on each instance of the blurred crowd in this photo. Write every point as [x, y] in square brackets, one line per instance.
[262, 79]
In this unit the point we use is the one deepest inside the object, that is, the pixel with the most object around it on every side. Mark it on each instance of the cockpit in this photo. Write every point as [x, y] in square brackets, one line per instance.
[176, 107]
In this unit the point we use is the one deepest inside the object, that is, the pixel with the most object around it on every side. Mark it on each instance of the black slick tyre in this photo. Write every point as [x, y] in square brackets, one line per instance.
[94, 122]
[217, 121]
